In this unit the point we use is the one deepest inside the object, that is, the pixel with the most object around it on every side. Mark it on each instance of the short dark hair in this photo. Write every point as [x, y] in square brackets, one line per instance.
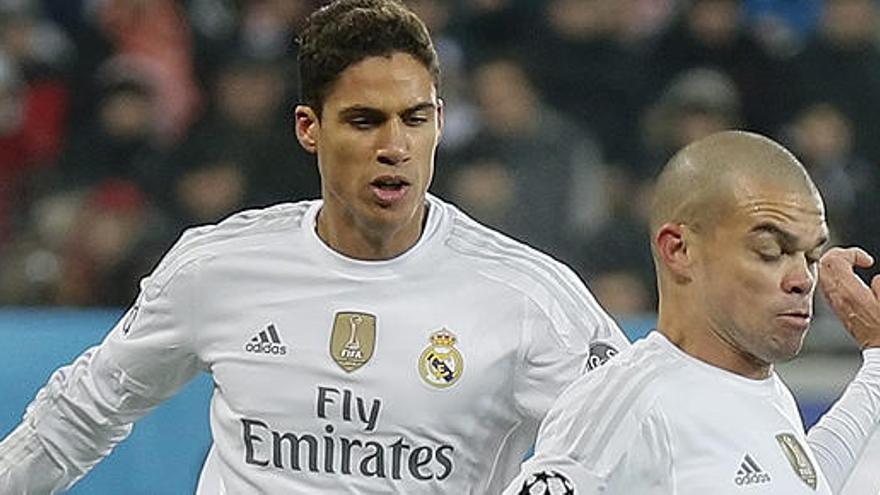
[344, 32]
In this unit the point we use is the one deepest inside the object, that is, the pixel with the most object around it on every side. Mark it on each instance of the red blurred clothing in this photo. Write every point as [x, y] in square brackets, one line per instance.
[35, 144]
[156, 36]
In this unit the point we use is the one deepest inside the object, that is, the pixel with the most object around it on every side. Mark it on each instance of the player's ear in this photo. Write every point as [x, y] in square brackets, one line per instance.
[671, 243]
[307, 126]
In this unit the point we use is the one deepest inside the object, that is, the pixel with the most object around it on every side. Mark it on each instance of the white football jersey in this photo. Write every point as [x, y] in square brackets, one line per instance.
[426, 373]
[657, 421]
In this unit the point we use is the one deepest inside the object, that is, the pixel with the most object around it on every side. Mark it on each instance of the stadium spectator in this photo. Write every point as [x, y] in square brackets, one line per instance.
[822, 137]
[154, 36]
[34, 98]
[533, 155]
[591, 76]
[713, 34]
[841, 66]
[122, 139]
[696, 103]
[248, 120]
[111, 243]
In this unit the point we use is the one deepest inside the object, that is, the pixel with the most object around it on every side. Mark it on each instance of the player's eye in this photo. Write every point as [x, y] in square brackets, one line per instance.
[363, 122]
[770, 253]
[769, 257]
[415, 120]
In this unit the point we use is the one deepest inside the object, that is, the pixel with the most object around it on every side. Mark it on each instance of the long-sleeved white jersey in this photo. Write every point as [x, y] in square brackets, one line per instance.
[657, 421]
[426, 373]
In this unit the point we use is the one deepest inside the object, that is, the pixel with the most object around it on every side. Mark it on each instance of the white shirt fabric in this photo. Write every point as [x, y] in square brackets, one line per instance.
[656, 420]
[254, 301]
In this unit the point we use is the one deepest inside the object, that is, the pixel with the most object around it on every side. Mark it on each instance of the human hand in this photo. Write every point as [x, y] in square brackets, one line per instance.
[855, 304]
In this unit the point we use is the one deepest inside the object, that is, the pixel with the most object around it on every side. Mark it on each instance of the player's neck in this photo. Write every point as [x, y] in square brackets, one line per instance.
[362, 242]
[712, 348]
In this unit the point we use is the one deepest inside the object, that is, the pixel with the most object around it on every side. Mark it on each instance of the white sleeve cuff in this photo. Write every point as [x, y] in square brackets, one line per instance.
[871, 357]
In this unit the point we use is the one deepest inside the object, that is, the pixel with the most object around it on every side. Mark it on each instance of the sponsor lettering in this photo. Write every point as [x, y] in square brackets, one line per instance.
[328, 397]
[330, 452]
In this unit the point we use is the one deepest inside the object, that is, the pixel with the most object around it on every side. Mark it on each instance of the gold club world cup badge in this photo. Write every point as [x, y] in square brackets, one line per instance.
[353, 339]
[440, 364]
[798, 458]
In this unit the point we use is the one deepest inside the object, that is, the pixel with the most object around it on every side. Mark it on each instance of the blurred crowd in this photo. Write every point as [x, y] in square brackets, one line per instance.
[122, 122]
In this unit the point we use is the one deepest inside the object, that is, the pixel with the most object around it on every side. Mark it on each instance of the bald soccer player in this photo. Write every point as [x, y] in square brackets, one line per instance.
[696, 407]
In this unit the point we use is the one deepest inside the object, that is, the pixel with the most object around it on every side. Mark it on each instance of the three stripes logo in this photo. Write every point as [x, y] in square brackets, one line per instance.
[266, 342]
[750, 473]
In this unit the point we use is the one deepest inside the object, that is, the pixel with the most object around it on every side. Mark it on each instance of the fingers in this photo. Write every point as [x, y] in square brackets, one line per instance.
[840, 258]
[855, 303]
[840, 284]
[863, 259]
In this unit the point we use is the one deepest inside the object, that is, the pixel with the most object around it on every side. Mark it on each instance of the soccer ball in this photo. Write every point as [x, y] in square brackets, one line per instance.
[547, 483]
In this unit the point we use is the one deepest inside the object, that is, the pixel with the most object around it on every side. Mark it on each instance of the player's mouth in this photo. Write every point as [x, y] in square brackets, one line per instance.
[796, 319]
[389, 189]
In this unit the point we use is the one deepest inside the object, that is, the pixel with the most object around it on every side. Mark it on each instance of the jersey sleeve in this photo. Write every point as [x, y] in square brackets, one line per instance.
[559, 344]
[841, 435]
[573, 453]
[562, 475]
[89, 406]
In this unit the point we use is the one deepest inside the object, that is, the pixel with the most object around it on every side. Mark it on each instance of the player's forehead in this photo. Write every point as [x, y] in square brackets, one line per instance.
[793, 213]
[389, 83]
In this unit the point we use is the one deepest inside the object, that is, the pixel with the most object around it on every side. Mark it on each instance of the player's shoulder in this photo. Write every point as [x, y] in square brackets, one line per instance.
[495, 255]
[598, 414]
[554, 288]
[484, 244]
[628, 384]
[244, 229]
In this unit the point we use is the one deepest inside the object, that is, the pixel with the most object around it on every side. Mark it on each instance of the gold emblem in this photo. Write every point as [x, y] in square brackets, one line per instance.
[353, 339]
[440, 364]
[798, 458]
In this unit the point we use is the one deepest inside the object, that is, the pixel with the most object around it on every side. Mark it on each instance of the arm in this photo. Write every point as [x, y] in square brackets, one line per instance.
[840, 437]
[88, 407]
[557, 474]
[636, 459]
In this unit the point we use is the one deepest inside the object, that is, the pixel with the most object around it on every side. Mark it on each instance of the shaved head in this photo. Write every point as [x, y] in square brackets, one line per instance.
[699, 183]
[737, 231]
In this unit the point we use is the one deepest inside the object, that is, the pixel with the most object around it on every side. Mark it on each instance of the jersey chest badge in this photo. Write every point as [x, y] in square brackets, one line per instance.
[798, 458]
[440, 364]
[353, 339]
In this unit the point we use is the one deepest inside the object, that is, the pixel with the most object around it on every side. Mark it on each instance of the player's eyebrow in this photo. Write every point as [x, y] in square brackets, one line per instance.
[375, 112]
[785, 238]
[425, 105]
[360, 111]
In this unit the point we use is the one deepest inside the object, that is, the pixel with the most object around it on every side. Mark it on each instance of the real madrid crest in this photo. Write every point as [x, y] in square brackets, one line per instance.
[440, 364]
[353, 339]
[798, 458]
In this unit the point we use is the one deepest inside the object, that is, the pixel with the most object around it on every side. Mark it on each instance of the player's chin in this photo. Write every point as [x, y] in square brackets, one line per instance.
[393, 217]
[787, 347]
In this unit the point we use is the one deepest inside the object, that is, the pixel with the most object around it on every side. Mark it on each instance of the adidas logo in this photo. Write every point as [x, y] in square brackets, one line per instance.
[749, 473]
[266, 342]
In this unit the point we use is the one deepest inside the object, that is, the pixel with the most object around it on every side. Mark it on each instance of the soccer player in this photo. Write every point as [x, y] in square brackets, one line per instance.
[375, 341]
[696, 407]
